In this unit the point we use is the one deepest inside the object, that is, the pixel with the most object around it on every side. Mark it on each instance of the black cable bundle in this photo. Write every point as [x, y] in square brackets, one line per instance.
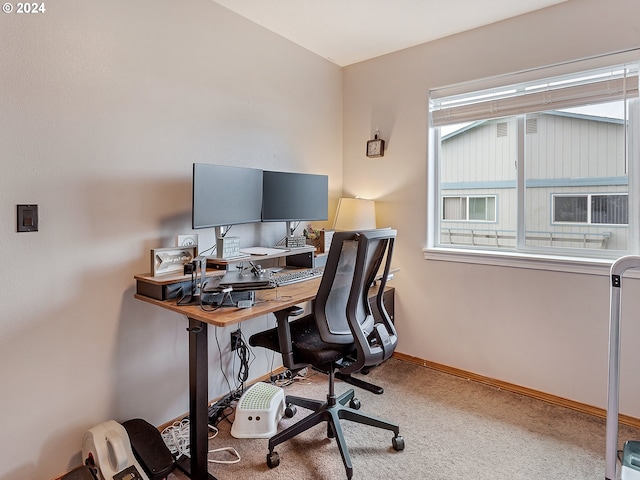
[220, 410]
[244, 354]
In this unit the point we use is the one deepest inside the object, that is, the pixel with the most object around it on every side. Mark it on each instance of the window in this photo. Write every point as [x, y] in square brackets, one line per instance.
[594, 209]
[466, 208]
[559, 149]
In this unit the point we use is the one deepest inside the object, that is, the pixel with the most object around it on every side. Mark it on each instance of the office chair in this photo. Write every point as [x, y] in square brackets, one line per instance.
[340, 335]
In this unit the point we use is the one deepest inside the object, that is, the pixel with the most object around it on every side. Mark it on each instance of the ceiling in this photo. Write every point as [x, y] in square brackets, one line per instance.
[350, 31]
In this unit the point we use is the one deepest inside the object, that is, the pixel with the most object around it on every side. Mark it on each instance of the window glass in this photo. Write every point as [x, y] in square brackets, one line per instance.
[610, 209]
[575, 158]
[570, 208]
[477, 178]
[551, 176]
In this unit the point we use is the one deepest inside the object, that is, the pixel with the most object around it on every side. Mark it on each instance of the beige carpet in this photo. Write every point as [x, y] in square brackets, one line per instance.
[453, 429]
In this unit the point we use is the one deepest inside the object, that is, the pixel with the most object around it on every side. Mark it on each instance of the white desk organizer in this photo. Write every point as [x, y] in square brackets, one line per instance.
[258, 412]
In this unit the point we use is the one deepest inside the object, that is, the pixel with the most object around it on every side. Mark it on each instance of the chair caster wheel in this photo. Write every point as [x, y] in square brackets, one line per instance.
[355, 404]
[273, 459]
[398, 443]
[290, 411]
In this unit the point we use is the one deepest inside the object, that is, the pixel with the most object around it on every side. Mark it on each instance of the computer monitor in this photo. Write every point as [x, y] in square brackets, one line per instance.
[224, 195]
[291, 197]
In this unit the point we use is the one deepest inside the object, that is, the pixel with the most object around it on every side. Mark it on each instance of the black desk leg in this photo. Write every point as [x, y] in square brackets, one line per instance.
[196, 469]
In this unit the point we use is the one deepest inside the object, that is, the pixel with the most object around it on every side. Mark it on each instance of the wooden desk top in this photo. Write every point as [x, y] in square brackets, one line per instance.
[266, 302]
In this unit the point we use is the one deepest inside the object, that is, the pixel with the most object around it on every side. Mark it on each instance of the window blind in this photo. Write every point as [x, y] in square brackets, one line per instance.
[565, 91]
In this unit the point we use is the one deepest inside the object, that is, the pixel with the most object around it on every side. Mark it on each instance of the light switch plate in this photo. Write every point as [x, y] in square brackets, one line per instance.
[27, 218]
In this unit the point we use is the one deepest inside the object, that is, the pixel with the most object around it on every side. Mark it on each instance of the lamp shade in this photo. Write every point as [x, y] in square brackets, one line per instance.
[355, 214]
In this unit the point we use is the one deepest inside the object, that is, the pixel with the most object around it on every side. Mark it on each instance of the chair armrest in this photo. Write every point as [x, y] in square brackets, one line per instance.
[293, 311]
[284, 335]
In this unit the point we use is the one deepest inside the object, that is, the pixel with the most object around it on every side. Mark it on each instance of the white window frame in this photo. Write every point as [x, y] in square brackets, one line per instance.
[522, 257]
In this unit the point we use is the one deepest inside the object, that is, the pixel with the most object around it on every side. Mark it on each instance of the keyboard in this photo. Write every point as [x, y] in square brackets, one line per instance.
[295, 276]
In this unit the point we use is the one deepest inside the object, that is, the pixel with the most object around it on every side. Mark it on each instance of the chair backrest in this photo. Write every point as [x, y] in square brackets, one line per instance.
[342, 311]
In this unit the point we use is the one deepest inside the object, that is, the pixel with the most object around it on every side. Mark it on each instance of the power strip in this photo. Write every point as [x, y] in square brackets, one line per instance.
[215, 413]
[216, 410]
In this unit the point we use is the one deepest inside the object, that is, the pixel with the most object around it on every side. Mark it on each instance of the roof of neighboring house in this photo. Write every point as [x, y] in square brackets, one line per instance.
[580, 116]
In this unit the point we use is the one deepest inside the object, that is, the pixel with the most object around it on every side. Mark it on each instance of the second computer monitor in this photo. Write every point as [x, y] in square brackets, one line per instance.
[292, 197]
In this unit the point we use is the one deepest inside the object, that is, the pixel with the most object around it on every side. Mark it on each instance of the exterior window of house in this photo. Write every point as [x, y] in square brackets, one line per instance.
[593, 209]
[468, 208]
[559, 147]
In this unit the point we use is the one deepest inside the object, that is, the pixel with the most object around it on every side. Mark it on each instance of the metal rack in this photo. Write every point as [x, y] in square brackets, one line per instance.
[613, 395]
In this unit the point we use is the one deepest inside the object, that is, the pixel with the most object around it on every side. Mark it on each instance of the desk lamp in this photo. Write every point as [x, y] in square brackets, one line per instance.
[355, 214]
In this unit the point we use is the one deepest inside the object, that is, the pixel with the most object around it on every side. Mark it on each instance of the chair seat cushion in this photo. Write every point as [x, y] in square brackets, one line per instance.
[308, 347]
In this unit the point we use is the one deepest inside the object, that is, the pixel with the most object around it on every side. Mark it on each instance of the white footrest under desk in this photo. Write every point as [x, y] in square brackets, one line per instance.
[258, 411]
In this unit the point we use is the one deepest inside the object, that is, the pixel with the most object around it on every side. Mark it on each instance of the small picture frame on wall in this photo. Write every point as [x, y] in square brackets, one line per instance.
[171, 260]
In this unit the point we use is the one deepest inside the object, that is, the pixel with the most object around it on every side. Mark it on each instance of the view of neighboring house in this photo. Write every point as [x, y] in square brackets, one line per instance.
[575, 185]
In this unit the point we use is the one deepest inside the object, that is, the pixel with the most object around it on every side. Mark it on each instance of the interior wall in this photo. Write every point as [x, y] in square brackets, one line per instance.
[104, 107]
[539, 329]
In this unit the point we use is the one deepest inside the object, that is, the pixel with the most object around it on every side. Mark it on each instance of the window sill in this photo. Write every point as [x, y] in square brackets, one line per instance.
[519, 260]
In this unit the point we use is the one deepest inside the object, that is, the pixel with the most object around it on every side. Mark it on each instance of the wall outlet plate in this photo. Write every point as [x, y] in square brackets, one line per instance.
[235, 337]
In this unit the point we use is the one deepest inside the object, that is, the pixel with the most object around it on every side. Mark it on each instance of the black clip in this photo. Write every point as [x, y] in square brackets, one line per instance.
[616, 280]
[256, 269]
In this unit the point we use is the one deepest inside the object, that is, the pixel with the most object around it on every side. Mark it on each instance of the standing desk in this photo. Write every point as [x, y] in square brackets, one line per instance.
[267, 301]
